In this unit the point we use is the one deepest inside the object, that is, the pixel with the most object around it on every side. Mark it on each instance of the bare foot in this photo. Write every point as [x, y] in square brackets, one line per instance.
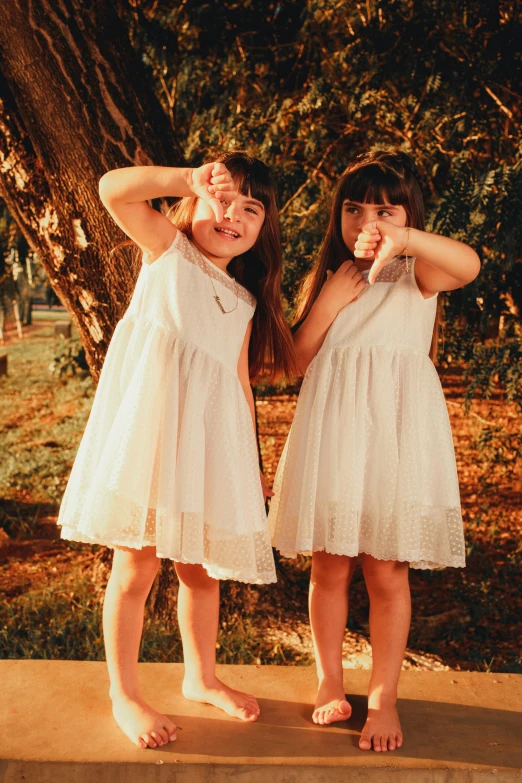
[331, 705]
[145, 727]
[234, 703]
[382, 729]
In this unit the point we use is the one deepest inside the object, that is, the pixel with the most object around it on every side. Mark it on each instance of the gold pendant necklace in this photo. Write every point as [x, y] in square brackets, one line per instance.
[216, 296]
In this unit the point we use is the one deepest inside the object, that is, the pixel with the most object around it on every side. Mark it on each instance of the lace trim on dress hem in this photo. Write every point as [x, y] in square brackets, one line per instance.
[421, 563]
[215, 572]
[194, 256]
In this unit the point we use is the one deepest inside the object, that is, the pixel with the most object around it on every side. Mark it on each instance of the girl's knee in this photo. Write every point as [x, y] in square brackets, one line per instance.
[332, 570]
[134, 570]
[195, 577]
[385, 577]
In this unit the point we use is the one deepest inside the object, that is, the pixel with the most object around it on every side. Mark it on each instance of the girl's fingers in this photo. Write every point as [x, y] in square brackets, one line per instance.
[345, 266]
[352, 271]
[370, 228]
[223, 191]
[221, 178]
[367, 239]
[364, 239]
[219, 169]
[365, 242]
[227, 187]
[374, 271]
[363, 253]
[217, 209]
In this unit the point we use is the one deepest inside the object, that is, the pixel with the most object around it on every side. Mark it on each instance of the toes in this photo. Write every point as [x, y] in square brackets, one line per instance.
[164, 734]
[365, 743]
[399, 740]
[156, 736]
[247, 714]
[170, 730]
[141, 743]
[150, 742]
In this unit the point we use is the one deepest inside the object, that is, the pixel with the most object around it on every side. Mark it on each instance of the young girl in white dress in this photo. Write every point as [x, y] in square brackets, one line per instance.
[369, 466]
[168, 465]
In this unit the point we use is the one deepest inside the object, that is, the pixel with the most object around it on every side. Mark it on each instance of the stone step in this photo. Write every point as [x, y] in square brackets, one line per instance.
[57, 727]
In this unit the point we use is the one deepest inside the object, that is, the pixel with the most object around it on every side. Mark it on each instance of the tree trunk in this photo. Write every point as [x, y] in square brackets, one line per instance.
[74, 102]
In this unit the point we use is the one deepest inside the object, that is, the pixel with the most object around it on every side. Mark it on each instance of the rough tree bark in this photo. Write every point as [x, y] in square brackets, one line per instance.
[74, 102]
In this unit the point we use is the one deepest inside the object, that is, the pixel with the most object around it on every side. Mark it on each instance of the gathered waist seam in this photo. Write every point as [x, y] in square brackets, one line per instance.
[178, 336]
[390, 346]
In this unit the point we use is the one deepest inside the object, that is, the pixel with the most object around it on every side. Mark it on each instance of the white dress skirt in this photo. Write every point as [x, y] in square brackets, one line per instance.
[169, 456]
[369, 464]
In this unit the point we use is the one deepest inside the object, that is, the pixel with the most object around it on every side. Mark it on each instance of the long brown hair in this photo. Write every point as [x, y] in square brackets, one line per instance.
[371, 178]
[271, 351]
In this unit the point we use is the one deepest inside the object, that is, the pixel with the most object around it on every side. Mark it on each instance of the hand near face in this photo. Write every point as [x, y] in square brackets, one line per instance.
[381, 241]
[213, 183]
[342, 287]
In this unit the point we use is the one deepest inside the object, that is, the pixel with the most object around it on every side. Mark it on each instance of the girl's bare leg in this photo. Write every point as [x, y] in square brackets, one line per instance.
[198, 616]
[132, 575]
[328, 605]
[390, 614]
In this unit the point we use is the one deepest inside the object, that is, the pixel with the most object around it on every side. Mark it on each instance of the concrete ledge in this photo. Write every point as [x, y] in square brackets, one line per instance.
[57, 727]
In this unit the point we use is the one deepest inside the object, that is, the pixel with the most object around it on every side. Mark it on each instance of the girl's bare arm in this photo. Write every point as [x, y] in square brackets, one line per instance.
[442, 263]
[125, 193]
[244, 377]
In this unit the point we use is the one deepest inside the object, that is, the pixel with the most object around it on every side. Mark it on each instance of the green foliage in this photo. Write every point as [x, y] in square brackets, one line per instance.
[63, 620]
[308, 86]
[50, 622]
[42, 422]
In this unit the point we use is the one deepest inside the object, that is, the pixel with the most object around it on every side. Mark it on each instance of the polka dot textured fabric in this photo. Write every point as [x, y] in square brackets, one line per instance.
[369, 464]
[169, 455]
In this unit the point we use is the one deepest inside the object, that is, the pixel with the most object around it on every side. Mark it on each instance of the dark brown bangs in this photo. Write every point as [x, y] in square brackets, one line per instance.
[373, 184]
[251, 176]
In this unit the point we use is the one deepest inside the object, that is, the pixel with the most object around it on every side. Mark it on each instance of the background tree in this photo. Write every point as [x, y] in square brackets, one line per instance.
[75, 101]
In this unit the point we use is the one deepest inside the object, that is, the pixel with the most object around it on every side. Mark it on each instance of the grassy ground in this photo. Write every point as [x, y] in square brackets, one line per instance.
[462, 618]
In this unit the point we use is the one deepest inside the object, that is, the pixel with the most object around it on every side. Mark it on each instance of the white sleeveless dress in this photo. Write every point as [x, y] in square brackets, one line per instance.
[169, 456]
[369, 464]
